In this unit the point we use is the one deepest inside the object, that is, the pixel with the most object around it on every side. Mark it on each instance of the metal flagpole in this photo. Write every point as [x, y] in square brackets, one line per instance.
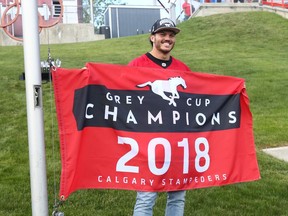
[37, 159]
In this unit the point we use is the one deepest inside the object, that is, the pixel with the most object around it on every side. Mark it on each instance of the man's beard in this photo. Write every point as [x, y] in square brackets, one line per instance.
[164, 51]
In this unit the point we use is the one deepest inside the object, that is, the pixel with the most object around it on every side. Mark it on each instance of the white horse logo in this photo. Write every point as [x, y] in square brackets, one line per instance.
[160, 87]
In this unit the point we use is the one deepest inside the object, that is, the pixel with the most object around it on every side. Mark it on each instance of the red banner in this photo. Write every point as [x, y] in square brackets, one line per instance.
[152, 130]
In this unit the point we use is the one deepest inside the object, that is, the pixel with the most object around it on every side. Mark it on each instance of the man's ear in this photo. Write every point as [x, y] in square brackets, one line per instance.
[152, 38]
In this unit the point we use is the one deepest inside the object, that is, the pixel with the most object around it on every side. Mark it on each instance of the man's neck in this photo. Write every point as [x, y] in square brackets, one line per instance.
[160, 55]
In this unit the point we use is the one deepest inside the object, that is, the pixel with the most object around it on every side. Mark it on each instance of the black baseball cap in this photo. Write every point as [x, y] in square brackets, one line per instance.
[164, 24]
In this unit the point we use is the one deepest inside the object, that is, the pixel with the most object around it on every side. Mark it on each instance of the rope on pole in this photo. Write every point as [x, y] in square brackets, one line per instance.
[163, 6]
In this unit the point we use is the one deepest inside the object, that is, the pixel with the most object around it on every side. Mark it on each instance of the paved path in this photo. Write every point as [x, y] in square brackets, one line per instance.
[280, 153]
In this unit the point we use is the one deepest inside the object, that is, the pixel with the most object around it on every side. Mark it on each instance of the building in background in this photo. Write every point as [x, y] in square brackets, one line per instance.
[127, 20]
[49, 11]
[135, 17]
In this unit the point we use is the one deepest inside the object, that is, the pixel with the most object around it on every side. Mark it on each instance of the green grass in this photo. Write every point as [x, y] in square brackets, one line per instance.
[250, 45]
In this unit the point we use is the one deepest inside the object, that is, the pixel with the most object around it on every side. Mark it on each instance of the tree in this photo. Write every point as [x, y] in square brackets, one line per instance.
[99, 7]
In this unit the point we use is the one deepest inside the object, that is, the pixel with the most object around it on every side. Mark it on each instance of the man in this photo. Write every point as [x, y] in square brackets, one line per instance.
[187, 10]
[162, 39]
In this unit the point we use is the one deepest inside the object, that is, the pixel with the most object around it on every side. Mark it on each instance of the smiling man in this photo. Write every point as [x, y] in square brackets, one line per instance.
[162, 39]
